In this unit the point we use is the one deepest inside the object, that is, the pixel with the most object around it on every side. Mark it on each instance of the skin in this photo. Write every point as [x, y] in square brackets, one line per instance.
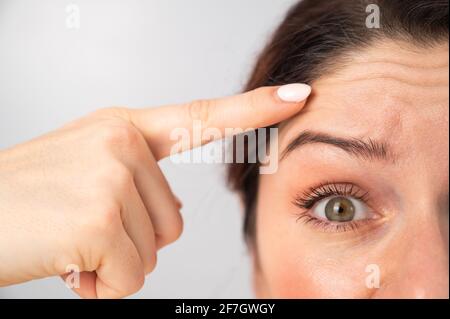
[393, 93]
[92, 195]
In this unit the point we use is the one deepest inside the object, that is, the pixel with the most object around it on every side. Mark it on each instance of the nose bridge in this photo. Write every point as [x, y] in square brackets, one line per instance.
[421, 267]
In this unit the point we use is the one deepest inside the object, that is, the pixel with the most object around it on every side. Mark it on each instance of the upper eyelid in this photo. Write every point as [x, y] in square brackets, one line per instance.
[327, 189]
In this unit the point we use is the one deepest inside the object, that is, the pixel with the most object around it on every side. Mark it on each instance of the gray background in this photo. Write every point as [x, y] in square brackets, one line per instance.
[139, 53]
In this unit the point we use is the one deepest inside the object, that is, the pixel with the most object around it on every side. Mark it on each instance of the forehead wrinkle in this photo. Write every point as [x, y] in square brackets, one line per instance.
[390, 73]
[418, 79]
[396, 61]
[379, 97]
[388, 62]
[355, 105]
[369, 120]
[395, 79]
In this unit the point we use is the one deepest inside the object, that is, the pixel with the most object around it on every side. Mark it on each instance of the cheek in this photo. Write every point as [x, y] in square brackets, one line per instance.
[294, 263]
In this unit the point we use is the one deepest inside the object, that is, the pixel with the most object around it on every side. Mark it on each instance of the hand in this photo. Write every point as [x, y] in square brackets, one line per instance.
[91, 194]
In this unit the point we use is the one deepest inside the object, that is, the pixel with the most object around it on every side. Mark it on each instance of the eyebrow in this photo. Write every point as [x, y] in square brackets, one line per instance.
[365, 149]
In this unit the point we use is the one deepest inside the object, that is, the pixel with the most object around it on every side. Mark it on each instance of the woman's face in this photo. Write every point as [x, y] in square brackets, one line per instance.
[362, 184]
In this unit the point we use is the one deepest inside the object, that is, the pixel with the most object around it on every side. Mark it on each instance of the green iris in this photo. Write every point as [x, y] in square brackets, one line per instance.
[340, 209]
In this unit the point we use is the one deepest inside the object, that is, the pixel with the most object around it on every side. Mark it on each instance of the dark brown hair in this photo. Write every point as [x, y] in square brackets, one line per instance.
[314, 38]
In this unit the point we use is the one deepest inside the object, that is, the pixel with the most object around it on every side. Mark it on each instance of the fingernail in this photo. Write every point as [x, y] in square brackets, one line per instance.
[294, 92]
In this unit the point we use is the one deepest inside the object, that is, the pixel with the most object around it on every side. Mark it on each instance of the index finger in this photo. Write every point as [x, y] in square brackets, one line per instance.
[255, 109]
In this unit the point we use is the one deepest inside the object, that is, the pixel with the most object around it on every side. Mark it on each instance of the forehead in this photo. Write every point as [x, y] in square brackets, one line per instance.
[392, 92]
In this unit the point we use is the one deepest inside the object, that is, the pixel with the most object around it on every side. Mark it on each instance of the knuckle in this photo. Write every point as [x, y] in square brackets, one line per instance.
[150, 263]
[103, 220]
[178, 227]
[175, 231]
[199, 110]
[122, 177]
[119, 134]
[112, 179]
[136, 283]
[254, 100]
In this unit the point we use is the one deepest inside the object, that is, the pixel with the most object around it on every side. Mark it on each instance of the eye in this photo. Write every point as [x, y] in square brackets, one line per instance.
[340, 209]
[336, 207]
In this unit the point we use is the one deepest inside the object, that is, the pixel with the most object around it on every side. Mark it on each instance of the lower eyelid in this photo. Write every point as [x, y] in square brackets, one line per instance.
[326, 226]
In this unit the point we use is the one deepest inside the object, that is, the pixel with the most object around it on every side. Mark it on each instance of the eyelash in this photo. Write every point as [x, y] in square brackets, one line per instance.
[312, 196]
